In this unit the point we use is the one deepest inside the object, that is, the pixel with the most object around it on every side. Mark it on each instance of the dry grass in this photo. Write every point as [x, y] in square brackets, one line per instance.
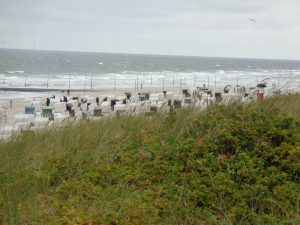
[145, 170]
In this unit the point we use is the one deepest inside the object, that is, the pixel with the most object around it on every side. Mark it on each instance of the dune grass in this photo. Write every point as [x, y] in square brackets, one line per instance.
[236, 164]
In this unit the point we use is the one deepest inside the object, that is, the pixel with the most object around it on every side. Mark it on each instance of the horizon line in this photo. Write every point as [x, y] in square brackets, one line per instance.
[149, 54]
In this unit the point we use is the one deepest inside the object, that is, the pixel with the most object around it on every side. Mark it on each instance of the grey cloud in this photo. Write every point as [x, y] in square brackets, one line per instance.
[193, 27]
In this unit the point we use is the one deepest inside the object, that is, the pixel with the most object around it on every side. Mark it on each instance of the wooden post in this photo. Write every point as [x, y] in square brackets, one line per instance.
[47, 81]
[115, 82]
[215, 80]
[173, 82]
[207, 82]
[91, 82]
[84, 85]
[69, 81]
[180, 86]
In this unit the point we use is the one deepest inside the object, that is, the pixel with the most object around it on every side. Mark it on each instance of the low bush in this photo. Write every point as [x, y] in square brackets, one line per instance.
[236, 164]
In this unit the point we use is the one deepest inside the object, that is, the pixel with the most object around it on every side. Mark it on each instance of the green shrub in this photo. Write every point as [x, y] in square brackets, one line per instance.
[236, 164]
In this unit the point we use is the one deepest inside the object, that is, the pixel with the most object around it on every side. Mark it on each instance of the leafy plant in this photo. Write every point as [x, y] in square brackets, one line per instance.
[235, 164]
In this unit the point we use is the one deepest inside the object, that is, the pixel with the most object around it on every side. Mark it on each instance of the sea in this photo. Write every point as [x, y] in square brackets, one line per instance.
[105, 71]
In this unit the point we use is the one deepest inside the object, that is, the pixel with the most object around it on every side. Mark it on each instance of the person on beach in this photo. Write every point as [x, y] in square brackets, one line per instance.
[47, 101]
[113, 103]
[84, 108]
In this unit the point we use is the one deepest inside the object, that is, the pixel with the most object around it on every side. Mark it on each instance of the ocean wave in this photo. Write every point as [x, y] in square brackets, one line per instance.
[16, 71]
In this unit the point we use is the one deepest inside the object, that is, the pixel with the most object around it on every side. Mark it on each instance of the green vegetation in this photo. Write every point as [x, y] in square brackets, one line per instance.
[236, 164]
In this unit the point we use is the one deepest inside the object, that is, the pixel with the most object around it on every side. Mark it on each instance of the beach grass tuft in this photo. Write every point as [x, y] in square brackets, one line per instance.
[235, 164]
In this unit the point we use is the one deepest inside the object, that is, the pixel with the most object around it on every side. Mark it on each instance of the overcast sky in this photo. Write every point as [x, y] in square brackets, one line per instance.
[176, 27]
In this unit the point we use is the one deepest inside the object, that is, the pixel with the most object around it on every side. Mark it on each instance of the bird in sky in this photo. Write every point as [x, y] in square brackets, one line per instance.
[252, 20]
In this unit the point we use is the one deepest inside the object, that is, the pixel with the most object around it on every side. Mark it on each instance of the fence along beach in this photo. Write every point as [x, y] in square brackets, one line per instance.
[39, 83]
